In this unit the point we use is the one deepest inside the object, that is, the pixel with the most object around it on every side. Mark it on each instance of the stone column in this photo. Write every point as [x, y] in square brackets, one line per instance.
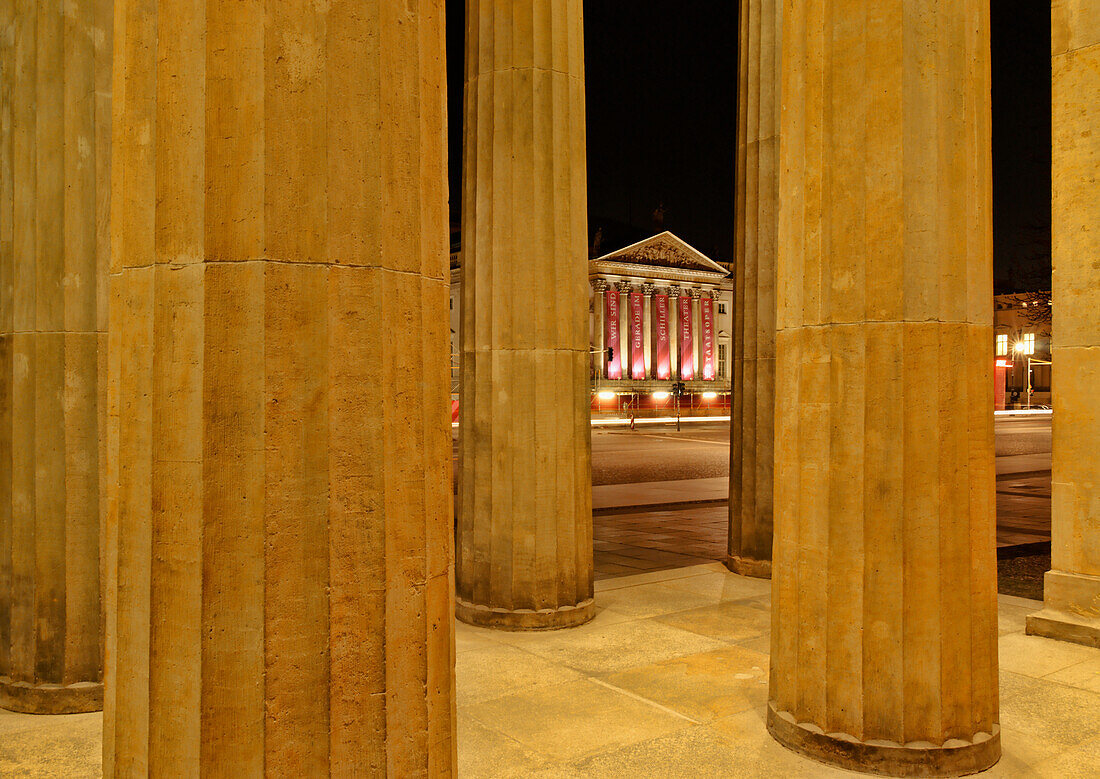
[599, 314]
[55, 150]
[674, 331]
[884, 621]
[525, 499]
[1072, 589]
[757, 215]
[624, 345]
[648, 290]
[697, 332]
[279, 534]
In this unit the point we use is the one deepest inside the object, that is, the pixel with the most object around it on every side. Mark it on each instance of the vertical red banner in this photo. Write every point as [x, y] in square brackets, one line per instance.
[707, 324]
[664, 364]
[687, 340]
[999, 384]
[615, 364]
[637, 341]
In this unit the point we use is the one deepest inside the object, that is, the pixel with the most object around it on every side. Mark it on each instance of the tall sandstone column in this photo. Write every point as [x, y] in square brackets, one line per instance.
[55, 65]
[884, 626]
[1072, 588]
[525, 500]
[279, 533]
[752, 423]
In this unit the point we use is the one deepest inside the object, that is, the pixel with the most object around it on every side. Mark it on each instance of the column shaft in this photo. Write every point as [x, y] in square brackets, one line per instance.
[599, 312]
[279, 534]
[624, 345]
[525, 503]
[884, 623]
[1072, 588]
[56, 118]
[697, 333]
[752, 420]
[674, 331]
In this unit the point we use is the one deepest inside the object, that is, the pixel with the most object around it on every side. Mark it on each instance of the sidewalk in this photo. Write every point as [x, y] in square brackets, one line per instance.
[1012, 465]
[656, 494]
[662, 494]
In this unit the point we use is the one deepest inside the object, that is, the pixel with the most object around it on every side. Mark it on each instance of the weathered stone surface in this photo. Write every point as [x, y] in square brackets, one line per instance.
[524, 558]
[884, 641]
[279, 535]
[1072, 589]
[55, 111]
[752, 420]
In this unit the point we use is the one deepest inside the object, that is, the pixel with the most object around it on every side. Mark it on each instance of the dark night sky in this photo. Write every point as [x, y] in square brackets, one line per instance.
[662, 120]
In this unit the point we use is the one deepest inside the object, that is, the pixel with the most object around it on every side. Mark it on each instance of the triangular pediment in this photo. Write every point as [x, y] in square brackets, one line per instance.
[665, 250]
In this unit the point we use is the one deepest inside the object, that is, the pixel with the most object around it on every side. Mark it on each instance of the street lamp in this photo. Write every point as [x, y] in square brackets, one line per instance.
[678, 390]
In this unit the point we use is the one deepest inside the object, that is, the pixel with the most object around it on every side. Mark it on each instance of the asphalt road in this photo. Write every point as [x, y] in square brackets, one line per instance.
[701, 449]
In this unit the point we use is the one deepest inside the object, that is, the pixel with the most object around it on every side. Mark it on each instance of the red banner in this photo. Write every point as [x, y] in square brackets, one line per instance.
[687, 342]
[637, 342]
[615, 364]
[664, 365]
[999, 384]
[707, 324]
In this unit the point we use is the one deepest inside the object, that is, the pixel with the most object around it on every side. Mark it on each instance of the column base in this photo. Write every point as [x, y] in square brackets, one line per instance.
[1071, 609]
[886, 758]
[28, 698]
[747, 566]
[525, 619]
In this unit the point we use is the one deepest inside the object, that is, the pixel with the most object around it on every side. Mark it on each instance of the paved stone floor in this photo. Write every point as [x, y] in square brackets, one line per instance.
[669, 680]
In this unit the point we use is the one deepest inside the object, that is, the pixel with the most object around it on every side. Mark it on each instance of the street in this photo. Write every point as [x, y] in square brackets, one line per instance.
[701, 449]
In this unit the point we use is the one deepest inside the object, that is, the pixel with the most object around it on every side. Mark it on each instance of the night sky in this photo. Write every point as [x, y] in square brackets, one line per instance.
[662, 123]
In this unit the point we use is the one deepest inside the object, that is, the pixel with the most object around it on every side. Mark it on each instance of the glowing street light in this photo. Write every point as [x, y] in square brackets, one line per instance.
[660, 395]
[606, 395]
[710, 395]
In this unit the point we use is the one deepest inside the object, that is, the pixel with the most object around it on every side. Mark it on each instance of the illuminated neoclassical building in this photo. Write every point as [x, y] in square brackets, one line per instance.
[660, 313]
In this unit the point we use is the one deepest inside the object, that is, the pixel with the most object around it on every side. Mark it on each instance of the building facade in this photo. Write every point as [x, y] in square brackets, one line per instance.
[660, 315]
[1022, 339]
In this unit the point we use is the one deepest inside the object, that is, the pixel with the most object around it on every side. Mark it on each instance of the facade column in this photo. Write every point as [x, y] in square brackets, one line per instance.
[55, 151]
[884, 599]
[280, 523]
[1072, 588]
[674, 293]
[752, 422]
[525, 497]
[697, 331]
[599, 314]
[625, 288]
[648, 291]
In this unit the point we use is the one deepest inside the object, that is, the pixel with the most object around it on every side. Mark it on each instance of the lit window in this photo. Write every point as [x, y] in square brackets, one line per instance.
[1002, 345]
[1029, 343]
[721, 361]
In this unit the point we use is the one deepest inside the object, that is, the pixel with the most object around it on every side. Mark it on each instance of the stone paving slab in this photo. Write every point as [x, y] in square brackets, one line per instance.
[654, 687]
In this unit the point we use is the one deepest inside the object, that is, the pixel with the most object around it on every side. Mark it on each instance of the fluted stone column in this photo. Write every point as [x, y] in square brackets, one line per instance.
[624, 345]
[697, 331]
[599, 327]
[674, 293]
[55, 65]
[752, 423]
[648, 290]
[279, 536]
[884, 626]
[1072, 589]
[525, 501]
